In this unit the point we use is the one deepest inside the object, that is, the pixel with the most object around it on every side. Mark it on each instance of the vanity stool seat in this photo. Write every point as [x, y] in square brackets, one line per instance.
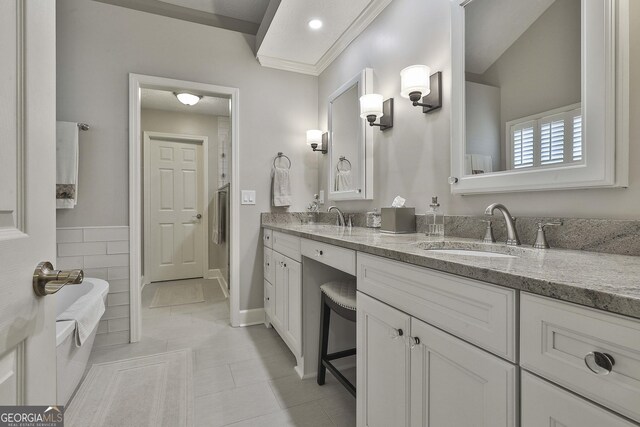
[339, 297]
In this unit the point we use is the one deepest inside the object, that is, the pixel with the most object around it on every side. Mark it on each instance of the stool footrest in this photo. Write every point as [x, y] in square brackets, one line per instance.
[340, 354]
[341, 378]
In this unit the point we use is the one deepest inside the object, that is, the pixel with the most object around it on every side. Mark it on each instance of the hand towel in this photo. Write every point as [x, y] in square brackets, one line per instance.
[67, 160]
[215, 234]
[281, 188]
[219, 220]
[344, 181]
[86, 313]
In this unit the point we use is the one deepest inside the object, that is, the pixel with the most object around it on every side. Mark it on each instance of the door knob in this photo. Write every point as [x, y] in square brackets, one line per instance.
[47, 281]
[198, 216]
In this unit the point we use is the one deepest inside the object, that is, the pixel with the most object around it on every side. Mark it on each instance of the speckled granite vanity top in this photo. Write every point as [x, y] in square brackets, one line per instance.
[603, 281]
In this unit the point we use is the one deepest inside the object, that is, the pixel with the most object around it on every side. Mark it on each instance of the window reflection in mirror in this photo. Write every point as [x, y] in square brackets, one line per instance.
[523, 84]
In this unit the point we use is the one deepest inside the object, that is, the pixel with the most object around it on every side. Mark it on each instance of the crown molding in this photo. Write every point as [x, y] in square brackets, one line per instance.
[357, 26]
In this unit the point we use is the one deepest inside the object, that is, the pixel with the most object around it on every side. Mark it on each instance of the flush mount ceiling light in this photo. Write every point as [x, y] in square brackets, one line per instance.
[315, 24]
[316, 137]
[187, 98]
[373, 106]
[417, 82]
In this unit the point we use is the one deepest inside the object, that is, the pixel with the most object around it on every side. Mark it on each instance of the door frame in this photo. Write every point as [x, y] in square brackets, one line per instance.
[148, 137]
[136, 83]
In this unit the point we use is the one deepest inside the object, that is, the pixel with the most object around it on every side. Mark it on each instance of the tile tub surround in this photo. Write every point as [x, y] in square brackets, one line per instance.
[621, 237]
[604, 281]
[102, 252]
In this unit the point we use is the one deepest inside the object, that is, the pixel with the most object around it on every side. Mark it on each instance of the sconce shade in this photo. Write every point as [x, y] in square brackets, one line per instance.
[314, 136]
[371, 105]
[415, 78]
[188, 98]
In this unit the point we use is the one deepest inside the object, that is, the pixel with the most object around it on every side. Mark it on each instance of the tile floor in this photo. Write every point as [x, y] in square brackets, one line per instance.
[242, 376]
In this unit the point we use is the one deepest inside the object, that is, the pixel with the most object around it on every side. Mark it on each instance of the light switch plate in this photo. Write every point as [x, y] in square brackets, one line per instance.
[248, 197]
[321, 197]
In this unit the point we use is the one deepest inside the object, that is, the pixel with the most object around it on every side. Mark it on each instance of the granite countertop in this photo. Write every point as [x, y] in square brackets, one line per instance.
[604, 281]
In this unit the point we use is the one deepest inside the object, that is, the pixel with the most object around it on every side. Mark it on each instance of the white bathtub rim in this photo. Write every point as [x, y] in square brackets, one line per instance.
[64, 328]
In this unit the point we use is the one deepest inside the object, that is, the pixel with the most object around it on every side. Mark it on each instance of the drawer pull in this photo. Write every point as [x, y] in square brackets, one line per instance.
[599, 363]
[396, 333]
[413, 342]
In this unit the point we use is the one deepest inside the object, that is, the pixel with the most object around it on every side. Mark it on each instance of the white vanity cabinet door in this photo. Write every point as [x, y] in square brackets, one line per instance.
[383, 365]
[269, 268]
[286, 307]
[268, 302]
[267, 237]
[544, 404]
[454, 383]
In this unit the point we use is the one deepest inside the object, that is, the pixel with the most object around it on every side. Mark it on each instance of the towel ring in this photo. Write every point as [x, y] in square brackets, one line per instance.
[343, 159]
[279, 156]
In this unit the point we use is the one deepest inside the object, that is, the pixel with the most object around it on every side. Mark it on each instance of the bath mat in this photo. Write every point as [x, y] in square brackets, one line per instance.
[187, 293]
[144, 391]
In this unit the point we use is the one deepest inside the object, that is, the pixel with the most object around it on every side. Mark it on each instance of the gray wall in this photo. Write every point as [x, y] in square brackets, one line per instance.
[98, 45]
[413, 158]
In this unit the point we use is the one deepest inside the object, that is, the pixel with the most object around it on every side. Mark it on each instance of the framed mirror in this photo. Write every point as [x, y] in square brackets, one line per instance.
[540, 95]
[350, 141]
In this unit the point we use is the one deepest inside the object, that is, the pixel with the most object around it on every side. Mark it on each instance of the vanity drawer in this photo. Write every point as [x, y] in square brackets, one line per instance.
[557, 336]
[267, 237]
[334, 256]
[269, 267]
[287, 245]
[477, 312]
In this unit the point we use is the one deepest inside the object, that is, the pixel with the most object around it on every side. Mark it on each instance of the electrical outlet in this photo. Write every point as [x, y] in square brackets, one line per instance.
[248, 197]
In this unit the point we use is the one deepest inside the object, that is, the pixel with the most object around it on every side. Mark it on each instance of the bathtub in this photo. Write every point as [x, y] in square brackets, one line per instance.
[71, 360]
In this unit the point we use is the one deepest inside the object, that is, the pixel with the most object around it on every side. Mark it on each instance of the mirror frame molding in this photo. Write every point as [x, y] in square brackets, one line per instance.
[365, 86]
[605, 103]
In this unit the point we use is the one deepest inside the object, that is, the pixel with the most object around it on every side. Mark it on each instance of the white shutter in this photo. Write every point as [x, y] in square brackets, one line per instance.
[552, 140]
[577, 137]
[522, 140]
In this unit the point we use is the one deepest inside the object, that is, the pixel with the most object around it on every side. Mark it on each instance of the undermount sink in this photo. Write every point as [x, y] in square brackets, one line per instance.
[468, 252]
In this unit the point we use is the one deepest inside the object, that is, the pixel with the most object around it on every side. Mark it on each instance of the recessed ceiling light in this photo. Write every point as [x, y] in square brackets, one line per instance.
[315, 24]
[188, 98]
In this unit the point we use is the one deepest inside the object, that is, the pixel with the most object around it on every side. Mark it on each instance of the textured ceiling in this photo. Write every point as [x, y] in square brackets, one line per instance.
[166, 101]
[492, 26]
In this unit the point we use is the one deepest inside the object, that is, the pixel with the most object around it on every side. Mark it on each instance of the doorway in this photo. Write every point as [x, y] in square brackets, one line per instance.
[178, 176]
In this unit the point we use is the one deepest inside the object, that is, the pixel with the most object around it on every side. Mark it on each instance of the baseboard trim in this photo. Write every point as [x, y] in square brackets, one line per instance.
[213, 273]
[224, 286]
[251, 317]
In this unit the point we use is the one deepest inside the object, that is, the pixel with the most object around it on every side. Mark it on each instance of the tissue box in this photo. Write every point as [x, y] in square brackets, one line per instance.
[398, 220]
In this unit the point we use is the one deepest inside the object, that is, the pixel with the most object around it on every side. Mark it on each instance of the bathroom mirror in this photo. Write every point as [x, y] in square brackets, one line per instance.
[350, 163]
[530, 110]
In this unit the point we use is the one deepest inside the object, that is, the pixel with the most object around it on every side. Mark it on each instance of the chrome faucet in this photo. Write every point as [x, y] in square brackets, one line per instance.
[340, 215]
[512, 233]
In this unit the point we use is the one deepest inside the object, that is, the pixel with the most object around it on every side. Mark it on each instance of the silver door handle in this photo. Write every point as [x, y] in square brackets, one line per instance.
[47, 281]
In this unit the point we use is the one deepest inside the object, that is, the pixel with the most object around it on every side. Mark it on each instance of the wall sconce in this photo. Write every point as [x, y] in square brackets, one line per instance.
[372, 107]
[416, 81]
[315, 137]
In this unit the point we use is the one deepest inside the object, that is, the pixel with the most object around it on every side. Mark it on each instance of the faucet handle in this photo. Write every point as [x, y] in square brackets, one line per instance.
[541, 238]
[488, 234]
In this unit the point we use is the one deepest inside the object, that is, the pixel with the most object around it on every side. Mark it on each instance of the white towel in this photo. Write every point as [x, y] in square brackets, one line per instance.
[281, 187]
[86, 312]
[344, 181]
[215, 235]
[478, 163]
[67, 160]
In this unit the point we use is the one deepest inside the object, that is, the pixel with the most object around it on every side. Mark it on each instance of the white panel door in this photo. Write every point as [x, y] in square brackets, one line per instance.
[455, 384]
[293, 304]
[176, 187]
[27, 199]
[383, 365]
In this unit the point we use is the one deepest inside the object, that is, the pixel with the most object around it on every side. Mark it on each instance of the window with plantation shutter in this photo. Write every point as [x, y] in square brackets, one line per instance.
[549, 138]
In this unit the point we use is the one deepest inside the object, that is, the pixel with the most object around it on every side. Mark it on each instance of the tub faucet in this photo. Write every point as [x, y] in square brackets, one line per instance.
[340, 215]
[512, 233]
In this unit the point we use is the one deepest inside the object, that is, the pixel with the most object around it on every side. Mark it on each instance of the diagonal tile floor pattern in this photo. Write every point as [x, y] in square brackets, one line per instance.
[243, 377]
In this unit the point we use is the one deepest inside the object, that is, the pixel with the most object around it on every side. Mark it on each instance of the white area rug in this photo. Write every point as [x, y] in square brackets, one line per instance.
[187, 293]
[144, 391]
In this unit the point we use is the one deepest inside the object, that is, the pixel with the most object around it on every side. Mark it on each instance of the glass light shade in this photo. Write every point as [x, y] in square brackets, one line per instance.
[188, 98]
[371, 105]
[314, 136]
[415, 78]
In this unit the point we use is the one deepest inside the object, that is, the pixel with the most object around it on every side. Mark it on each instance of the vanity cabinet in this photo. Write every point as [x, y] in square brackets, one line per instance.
[436, 379]
[283, 287]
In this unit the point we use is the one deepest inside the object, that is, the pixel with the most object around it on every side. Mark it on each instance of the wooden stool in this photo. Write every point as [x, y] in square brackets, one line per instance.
[341, 298]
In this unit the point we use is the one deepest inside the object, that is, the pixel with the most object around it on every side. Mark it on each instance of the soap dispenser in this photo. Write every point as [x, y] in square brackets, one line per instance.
[435, 221]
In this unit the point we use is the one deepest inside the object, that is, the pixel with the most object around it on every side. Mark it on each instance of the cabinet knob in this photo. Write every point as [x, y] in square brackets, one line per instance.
[396, 333]
[413, 342]
[319, 252]
[599, 363]
[285, 265]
